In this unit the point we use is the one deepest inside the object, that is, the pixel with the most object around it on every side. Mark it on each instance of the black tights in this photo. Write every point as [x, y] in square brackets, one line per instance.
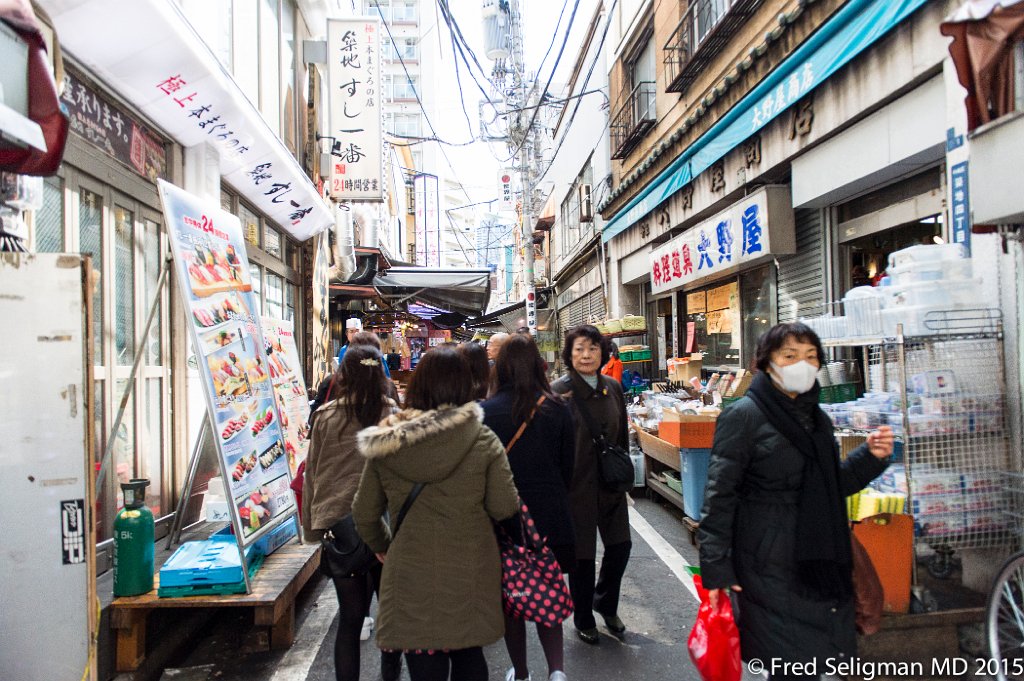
[354, 594]
[603, 596]
[550, 641]
[467, 664]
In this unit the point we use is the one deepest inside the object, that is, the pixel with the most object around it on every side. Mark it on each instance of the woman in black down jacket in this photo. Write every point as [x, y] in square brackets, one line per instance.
[773, 527]
[595, 509]
[542, 465]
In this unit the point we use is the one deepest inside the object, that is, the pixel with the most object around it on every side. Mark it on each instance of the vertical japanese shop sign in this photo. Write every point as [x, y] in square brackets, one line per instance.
[433, 221]
[289, 388]
[419, 184]
[322, 355]
[354, 85]
[213, 274]
[506, 199]
[960, 205]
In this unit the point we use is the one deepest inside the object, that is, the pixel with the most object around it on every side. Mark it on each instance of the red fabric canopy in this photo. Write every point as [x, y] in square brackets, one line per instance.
[44, 106]
[984, 33]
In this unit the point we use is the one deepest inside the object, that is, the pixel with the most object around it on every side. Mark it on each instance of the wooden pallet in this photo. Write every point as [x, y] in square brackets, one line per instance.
[274, 589]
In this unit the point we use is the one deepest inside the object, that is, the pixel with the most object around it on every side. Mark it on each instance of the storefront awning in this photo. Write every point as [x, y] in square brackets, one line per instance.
[984, 34]
[150, 55]
[465, 291]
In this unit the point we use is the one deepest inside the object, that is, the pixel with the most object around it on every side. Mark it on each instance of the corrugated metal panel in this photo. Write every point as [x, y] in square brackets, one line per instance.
[595, 307]
[802, 276]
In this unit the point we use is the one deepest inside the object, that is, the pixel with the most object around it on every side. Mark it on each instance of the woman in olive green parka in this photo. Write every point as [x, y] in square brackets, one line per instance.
[441, 587]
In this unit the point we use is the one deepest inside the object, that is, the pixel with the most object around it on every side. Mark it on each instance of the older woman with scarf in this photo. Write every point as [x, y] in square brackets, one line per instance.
[597, 400]
[774, 527]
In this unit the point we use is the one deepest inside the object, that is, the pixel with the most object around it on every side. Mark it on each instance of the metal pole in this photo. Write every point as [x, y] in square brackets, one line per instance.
[139, 352]
[174, 536]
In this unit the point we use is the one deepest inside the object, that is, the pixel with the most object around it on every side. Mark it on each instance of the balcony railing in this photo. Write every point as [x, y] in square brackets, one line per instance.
[706, 28]
[633, 119]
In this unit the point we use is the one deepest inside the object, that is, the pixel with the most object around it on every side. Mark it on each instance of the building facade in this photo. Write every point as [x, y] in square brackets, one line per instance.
[822, 146]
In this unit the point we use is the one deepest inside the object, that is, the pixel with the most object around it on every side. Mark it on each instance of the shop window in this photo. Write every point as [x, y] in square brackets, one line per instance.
[103, 519]
[151, 265]
[712, 325]
[758, 301]
[256, 274]
[227, 202]
[275, 296]
[291, 294]
[124, 287]
[123, 454]
[271, 241]
[151, 464]
[270, 64]
[49, 222]
[90, 242]
[250, 226]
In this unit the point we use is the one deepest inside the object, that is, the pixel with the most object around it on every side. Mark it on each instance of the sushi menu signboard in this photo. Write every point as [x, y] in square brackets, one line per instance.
[213, 273]
[289, 388]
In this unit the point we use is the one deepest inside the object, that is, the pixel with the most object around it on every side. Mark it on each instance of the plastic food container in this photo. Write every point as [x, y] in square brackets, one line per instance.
[926, 253]
[934, 270]
[937, 294]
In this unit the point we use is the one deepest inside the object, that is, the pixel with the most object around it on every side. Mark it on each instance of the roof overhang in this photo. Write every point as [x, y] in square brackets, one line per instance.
[149, 54]
[465, 291]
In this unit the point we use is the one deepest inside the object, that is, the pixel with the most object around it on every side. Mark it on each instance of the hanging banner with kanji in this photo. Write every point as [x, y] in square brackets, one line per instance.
[759, 226]
[354, 87]
[213, 276]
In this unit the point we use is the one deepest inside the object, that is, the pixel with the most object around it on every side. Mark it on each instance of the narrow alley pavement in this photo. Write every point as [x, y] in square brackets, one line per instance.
[658, 606]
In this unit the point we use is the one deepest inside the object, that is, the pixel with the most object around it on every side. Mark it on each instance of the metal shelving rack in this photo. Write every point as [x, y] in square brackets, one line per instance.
[955, 453]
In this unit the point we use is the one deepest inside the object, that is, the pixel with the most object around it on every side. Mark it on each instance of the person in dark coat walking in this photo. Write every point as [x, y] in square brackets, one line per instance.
[542, 464]
[594, 507]
[774, 527]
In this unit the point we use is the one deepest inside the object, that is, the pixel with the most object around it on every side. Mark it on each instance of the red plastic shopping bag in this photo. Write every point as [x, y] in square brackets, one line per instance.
[715, 641]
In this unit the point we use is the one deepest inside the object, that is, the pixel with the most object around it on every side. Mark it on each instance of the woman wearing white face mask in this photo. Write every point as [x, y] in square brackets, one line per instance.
[773, 526]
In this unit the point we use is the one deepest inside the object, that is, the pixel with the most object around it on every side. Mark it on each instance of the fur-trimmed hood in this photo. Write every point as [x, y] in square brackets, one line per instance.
[424, 446]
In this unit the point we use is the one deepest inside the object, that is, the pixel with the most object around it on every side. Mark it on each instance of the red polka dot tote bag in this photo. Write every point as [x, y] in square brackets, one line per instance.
[532, 585]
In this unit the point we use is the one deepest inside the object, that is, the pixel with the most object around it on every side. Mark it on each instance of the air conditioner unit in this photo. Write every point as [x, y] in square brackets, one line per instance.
[586, 203]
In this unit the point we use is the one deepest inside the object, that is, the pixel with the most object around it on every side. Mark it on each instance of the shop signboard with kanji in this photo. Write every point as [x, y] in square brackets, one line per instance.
[428, 225]
[759, 226]
[227, 337]
[354, 85]
[289, 388]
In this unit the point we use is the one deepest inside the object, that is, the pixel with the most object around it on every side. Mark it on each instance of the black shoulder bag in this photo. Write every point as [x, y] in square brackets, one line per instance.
[614, 465]
[344, 551]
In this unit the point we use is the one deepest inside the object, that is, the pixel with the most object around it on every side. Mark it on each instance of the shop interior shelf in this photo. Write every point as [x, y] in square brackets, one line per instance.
[636, 361]
[625, 334]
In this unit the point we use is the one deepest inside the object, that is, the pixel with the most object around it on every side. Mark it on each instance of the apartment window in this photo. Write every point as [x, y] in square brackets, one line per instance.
[405, 88]
[406, 125]
[404, 12]
[407, 48]
[635, 114]
[575, 231]
[212, 19]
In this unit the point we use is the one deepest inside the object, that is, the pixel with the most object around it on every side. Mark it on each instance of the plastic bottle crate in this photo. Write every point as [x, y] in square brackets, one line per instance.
[693, 466]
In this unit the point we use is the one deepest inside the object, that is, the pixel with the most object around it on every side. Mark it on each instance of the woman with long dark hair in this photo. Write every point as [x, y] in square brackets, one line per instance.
[773, 528]
[479, 368]
[542, 465]
[333, 469]
[440, 598]
[595, 508]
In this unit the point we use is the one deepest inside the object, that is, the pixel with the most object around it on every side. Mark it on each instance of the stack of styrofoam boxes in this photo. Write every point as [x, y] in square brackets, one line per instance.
[927, 279]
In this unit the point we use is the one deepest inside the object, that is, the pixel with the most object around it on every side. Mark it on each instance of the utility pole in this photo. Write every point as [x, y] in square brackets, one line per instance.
[522, 139]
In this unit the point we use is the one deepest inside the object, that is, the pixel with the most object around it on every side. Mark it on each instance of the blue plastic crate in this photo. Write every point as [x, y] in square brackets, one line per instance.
[213, 561]
[693, 468]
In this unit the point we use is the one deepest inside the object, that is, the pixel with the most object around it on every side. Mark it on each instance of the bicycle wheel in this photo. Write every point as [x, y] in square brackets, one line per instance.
[1004, 620]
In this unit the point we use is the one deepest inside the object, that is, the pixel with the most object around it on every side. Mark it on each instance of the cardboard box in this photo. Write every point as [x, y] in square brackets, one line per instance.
[682, 369]
[694, 432]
